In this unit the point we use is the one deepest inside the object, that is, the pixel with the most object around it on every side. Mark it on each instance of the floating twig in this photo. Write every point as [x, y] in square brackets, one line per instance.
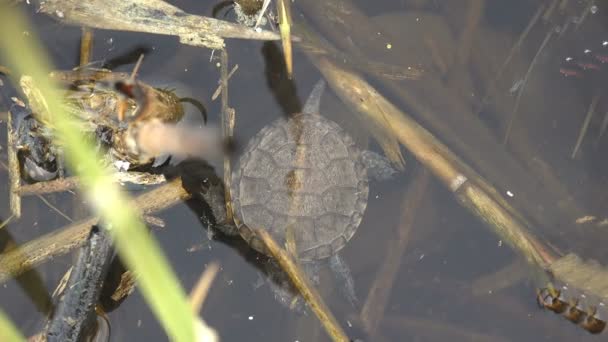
[301, 282]
[38, 251]
[151, 16]
[14, 176]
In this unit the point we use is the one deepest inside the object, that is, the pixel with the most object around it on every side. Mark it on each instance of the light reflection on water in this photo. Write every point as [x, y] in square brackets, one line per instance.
[449, 249]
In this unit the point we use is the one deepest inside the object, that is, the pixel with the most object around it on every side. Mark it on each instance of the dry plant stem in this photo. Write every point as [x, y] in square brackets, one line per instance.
[151, 16]
[228, 121]
[380, 290]
[474, 15]
[437, 158]
[86, 46]
[284, 13]
[201, 289]
[14, 176]
[585, 126]
[303, 285]
[38, 251]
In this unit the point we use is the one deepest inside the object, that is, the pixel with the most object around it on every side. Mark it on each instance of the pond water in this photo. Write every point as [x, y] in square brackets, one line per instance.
[450, 279]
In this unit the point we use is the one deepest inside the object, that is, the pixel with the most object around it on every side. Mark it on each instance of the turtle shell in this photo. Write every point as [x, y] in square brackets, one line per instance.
[303, 174]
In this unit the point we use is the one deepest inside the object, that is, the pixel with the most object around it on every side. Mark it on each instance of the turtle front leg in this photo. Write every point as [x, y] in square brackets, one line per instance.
[378, 166]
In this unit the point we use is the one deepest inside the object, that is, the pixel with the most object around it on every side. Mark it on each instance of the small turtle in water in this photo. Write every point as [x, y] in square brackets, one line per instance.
[304, 179]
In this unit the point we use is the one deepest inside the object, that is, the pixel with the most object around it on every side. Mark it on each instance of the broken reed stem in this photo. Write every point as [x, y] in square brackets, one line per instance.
[437, 158]
[301, 282]
[64, 240]
[14, 176]
[380, 290]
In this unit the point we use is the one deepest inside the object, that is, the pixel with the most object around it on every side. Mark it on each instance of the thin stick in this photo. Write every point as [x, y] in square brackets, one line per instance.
[585, 126]
[201, 289]
[523, 86]
[64, 240]
[228, 121]
[56, 185]
[218, 91]
[301, 282]
[377, 299]
[86, 45]
[514, 49]
[14, 175]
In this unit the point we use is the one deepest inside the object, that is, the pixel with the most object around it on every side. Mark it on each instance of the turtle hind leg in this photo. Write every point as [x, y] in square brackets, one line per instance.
[343, 275]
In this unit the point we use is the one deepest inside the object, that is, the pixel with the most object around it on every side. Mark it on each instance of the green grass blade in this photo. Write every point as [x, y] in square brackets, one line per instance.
[8, 332]
[136, 247]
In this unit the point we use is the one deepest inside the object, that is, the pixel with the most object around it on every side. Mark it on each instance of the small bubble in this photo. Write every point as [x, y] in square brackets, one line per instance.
[250, 318]
[389, 46]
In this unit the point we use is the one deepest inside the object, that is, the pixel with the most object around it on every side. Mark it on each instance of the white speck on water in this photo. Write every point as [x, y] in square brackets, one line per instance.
[186, 70]
[350, 325]
[587, 51]
[499, 243]
[568, 59]
[389, 46]
[421, 257]
[218, 64]
[509, 193]
[59, 13]
[593, 9]
[377, 196]
[250, 318]
[605, 42]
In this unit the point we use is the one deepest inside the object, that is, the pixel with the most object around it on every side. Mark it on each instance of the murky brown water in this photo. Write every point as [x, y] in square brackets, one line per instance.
[437, 293]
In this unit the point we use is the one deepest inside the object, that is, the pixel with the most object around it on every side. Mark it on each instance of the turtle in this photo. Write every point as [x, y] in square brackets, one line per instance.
[304, 177]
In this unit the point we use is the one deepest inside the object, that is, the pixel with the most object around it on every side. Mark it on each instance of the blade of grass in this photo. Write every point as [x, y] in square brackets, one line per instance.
[8, 332]
[136, 247]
